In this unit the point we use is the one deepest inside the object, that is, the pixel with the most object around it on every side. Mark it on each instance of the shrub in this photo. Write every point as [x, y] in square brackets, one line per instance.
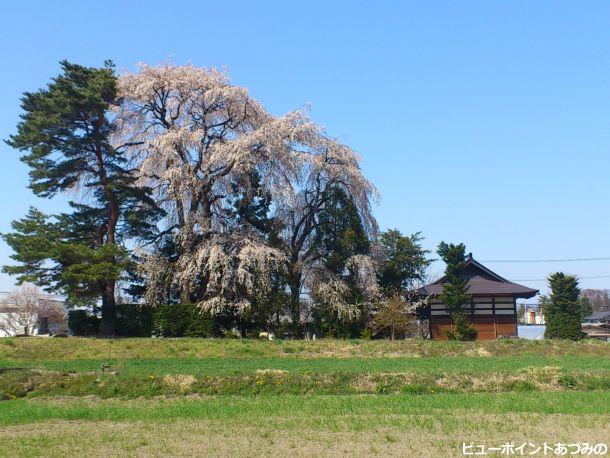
[569, 381]
[463, 329]
[133, 320]
[182, 320]
[366, 334]
[83, 323]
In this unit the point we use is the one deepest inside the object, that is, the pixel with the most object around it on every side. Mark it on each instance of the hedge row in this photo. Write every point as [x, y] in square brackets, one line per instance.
[137, 320]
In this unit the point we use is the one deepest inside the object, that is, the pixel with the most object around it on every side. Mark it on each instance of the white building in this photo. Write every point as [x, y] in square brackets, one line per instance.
[46, 316]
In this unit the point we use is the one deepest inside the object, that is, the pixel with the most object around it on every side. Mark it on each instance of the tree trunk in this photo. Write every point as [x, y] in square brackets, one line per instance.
[107, 325]
[185, 295]
[295, 302]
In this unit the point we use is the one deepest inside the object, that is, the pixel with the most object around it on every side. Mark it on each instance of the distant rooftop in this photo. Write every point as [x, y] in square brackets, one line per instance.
[603, 315]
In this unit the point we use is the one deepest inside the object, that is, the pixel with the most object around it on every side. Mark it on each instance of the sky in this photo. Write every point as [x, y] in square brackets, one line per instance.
[482, 122]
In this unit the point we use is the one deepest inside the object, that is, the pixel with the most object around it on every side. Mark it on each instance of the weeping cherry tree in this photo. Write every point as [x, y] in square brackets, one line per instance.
[198, 140]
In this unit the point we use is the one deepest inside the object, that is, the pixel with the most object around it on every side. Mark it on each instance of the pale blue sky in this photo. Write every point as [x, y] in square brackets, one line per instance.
[480, 122]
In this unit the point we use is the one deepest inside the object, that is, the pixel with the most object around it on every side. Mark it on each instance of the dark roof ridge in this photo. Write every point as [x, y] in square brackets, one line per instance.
[494, 284]
[470, 261]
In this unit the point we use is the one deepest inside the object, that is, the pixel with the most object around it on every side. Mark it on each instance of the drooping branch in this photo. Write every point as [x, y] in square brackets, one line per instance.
[195, 137]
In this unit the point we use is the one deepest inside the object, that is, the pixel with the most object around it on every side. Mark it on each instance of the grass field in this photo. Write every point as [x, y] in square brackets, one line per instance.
[147, 397]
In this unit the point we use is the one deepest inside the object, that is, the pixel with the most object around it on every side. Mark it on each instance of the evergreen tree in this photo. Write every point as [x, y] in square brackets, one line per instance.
[251, 206]
[455, 290]
[65, 131]
[586, 308]
[340, 235]
[52, 253]
[404, 261]
[563, 310]
[251, 213]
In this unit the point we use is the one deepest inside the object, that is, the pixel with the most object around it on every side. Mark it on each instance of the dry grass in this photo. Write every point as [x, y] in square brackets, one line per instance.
[39, 349]
[34, 383]
[182, 383]
[192, 397]
[412, 435]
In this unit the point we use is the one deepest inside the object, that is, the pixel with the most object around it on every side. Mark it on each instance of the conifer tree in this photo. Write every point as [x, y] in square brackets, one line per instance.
[563, 309]
[403, 262]
[455, 290]
[340, 235]
[66, 134]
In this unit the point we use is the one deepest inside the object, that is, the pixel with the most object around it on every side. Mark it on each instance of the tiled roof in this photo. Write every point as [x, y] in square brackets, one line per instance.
[483, 282]
[603, 315]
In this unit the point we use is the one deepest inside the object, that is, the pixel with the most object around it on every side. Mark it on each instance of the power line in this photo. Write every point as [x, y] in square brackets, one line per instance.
[41, 294]
[577, 277]
[538, 260]
[549, 260]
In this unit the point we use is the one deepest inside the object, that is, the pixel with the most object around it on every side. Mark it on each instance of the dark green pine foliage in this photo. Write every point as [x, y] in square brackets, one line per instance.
[404, 261]
[586, 308]
[251, 207]
[340, 235]
[563, 310]
[455, 290]
[54, 252]
[65, 134]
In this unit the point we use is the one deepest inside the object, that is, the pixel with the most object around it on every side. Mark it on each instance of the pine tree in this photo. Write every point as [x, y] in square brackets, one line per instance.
[52, 253]
[340, 232]
[251, 204]
[65, 131]
[586, 308]
[563, 310]
[340, 235]
[404, 261]
[455, 290]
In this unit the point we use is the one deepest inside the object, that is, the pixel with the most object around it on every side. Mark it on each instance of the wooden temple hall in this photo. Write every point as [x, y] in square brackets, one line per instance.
[493, 305]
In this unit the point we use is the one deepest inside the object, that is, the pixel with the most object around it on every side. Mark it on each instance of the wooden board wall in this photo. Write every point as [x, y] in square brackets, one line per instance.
[488, 327]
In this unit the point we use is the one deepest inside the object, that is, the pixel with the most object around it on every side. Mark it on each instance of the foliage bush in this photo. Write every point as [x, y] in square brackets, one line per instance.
[134, 320]
[183, 320]
[463, 329]
[83, 323]
[569, 381]
[326, 323]
[366, 334]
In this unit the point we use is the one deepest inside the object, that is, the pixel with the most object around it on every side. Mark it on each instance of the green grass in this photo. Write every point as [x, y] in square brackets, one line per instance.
[225, 357]
[283, 425]
[75, 367]
[161, 397]
[224, 366]
[23, 351]
[320, 407]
